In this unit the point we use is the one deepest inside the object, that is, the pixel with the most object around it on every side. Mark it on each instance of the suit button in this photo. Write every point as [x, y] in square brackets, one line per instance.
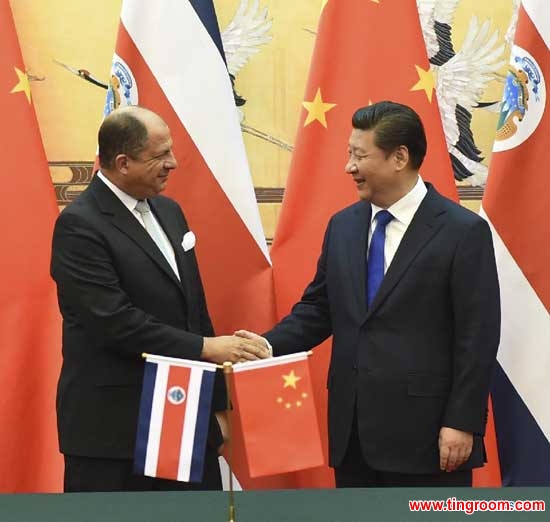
[354, 368]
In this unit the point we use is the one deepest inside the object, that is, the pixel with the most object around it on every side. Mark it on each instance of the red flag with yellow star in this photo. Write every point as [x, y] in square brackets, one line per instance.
[366, 51]
[30, 326]
[276, 410]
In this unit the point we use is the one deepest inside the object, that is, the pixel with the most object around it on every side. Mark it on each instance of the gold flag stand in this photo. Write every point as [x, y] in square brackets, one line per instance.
[227, 371]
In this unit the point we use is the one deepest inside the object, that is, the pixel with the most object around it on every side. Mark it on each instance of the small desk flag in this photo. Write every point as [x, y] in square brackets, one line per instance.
[174, 418]
[274, 402]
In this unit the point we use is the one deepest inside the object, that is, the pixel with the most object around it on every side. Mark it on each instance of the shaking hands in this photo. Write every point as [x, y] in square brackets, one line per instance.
[241, 347]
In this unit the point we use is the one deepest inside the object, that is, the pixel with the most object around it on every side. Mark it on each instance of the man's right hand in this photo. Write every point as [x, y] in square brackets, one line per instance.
[230, 348]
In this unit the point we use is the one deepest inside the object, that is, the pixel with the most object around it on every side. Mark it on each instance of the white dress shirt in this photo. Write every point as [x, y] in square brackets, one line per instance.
[130, 203]
[403, 212]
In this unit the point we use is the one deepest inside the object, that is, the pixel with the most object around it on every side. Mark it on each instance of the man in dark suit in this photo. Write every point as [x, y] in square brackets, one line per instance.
[414, 349]
[128, 282]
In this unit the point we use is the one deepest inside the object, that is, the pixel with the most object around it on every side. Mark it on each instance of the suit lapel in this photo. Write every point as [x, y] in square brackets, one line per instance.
[175, 236]
[425, 224]
[358, 233]
[123, 219]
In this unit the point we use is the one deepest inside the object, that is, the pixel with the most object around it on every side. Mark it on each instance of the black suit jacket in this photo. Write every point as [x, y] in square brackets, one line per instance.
[120, 298]
[422, 356]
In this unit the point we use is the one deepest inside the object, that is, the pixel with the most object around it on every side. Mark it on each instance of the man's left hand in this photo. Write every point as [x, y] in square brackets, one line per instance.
[455, 447]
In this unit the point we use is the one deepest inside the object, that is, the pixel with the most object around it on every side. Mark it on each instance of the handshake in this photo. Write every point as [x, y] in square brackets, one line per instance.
[241, 347]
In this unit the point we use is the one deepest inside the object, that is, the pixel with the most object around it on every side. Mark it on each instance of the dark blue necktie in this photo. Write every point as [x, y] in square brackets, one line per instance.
[375, 259]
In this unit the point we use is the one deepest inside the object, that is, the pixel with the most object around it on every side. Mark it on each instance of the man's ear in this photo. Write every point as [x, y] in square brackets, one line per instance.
[121, 163]
[401, 157]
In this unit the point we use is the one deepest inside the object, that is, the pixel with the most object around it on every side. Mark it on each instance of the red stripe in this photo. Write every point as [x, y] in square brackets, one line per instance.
[517, 196]
[236, 276]
[172, 425]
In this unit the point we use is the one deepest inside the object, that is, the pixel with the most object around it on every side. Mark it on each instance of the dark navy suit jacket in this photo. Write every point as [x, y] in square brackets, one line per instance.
[421, 357]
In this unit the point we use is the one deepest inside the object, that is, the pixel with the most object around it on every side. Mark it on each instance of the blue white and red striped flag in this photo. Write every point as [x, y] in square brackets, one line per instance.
[516, 205]
[169, 58]
[174, 418]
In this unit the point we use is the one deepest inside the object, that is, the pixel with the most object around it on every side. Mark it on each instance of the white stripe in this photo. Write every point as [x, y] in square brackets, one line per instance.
[188, 67]
[539, 12]
[224, 470]
[188, 433]
[524, 352]
[155, 426]
[273, 361]
[186, 363]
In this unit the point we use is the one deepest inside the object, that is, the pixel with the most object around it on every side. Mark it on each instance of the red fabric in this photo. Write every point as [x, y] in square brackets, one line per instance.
[519, 211]
[30, 328]
[172, 426]
[357, 61]
[489, 475]
[275, 407]
[502, 196]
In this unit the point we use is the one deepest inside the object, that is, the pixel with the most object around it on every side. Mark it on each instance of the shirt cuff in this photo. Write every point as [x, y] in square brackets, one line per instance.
[269, 347]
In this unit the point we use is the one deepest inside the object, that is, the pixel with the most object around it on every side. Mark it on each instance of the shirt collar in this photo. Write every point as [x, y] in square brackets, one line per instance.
[405, 208]
[128, 201]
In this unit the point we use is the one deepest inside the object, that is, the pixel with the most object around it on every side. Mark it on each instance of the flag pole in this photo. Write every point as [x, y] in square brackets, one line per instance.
[227, 371]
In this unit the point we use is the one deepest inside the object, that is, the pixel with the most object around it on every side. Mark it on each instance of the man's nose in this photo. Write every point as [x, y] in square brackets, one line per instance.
[351, 167]
[171, 163]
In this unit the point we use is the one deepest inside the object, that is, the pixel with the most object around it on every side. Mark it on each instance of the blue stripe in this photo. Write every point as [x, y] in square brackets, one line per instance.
[201, 428]
[206, 12]
[524, 451]
[144, 420]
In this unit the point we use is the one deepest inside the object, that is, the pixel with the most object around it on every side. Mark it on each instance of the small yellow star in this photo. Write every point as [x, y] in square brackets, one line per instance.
[316, 109]
[288, 405]
[291, 379]
[298, 403]
[279, 400]
[425, 83]
[23, 85]
[304, 395]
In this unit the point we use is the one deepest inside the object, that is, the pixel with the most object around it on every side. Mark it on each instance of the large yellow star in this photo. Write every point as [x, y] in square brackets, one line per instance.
[23, 85]
[317, 109]
[291, 379]
[425, 83]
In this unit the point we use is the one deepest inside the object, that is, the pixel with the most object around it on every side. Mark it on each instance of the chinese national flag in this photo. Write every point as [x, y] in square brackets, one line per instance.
[358, 59]
[30, 328]
[275, 405]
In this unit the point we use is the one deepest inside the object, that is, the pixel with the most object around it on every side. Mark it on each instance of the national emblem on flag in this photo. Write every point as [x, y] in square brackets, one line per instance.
[515, 203]
[174, 417]
[276, 409]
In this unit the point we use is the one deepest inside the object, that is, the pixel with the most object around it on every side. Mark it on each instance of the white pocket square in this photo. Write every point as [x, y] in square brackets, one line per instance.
[188, 241]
